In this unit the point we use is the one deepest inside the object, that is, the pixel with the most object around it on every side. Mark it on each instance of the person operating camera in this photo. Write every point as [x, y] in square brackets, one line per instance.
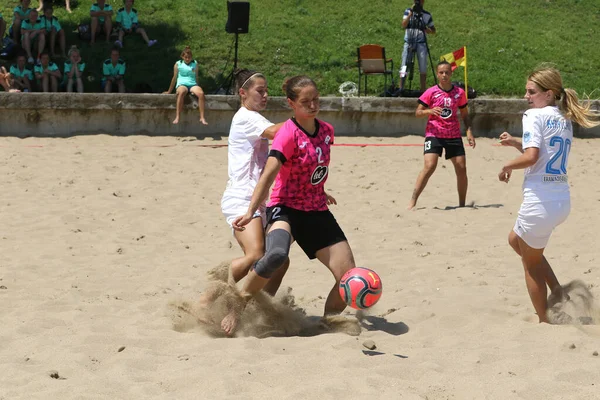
[417, 23]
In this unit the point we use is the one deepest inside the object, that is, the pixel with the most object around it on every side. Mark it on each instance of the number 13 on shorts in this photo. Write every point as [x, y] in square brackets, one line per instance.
[427, 145]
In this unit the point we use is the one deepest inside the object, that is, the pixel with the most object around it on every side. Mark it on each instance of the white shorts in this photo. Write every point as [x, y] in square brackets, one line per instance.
[233, 207]
[536, 221]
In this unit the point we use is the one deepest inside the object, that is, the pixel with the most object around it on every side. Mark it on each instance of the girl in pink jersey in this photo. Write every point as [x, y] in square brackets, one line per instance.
[441, 103]
[298, 164]
[547, 138]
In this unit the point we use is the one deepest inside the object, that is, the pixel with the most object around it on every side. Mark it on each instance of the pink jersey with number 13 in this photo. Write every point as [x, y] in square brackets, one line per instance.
[446, 125]
[300, 183]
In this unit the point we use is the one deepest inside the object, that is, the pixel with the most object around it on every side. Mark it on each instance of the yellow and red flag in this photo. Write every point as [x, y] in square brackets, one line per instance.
[457, 59]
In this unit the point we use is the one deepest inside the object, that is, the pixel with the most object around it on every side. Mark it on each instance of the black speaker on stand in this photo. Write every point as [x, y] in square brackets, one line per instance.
[238, 20]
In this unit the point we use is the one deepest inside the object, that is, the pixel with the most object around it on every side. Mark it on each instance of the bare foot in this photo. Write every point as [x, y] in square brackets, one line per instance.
[229, 323]
[176, 121]
[411, 205]
[69, 10]
[203, 121]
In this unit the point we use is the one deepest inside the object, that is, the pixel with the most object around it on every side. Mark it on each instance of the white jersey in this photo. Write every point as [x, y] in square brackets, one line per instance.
[547, 129]
[247, 152]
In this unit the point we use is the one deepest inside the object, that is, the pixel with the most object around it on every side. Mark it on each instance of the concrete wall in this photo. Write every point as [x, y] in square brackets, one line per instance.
[66, 114]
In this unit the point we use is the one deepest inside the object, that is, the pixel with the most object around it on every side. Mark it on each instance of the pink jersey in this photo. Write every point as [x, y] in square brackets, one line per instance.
[446, 125]
[300, 183]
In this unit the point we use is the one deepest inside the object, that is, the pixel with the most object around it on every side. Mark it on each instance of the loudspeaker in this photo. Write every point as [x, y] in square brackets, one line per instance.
[238, 16]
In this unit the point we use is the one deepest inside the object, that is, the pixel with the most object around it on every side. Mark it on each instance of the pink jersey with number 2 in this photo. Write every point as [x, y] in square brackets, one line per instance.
[300, 183]
[446, 125]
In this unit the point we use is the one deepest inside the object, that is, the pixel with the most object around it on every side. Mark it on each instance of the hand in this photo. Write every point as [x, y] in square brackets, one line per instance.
[471, 139]
[504, 175]
[507, 140]
[240, 222]
[435, 111]
[167, 92]
[330, 199]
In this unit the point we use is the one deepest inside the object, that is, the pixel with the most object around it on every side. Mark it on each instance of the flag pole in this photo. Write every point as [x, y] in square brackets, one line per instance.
[466, 77]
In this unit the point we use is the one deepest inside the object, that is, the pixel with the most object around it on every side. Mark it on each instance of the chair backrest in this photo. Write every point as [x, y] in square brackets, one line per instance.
[371, 58]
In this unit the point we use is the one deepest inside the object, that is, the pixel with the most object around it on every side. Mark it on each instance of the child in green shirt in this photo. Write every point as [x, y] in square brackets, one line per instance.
[127, 21]
[47, 74]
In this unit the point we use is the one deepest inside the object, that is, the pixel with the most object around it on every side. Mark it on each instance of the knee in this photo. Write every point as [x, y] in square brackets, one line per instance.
[199, 92]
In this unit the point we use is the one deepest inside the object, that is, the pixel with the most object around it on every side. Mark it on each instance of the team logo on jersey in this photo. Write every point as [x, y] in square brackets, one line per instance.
[526, 137]
[446, 113]
[319, 174]
[327, 139]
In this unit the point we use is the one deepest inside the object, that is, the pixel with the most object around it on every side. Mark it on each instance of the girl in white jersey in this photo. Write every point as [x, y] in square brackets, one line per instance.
[547, 139]
[248, 149]
[298, 210]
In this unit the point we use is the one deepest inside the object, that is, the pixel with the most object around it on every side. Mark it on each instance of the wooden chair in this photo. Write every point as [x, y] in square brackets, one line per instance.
[372, 61]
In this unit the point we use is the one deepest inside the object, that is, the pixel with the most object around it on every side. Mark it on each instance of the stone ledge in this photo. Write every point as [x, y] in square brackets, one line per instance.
[66, 114]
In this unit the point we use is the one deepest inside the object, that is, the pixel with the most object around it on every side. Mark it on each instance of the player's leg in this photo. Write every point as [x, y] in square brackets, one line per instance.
[181, 91]
[54, 84]
[535, 278]
[462, 181]
[252, 242]
[278, 241]
[432, 150]
[338, 258]
[197, 90]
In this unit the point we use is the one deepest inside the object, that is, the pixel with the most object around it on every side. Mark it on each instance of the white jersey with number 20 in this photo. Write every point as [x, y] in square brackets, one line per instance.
[547, 129]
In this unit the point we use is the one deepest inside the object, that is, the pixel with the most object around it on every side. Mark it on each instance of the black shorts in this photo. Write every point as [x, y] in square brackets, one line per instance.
[313, 230]
[453, 147]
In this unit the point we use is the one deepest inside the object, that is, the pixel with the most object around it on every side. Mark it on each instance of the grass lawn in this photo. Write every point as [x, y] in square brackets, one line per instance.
[505, 40]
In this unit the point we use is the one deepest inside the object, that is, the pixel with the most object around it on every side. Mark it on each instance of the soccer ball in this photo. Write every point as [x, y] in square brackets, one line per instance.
[360, 288]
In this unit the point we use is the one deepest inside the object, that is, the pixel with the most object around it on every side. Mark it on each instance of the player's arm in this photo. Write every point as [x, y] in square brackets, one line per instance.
[527, 159]
[424, 111]
[464, 113]
[271, 131]
[261, 191]
[506, 139]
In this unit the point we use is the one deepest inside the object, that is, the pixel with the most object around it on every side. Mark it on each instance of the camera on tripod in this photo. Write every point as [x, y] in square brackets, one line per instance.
[418, 7]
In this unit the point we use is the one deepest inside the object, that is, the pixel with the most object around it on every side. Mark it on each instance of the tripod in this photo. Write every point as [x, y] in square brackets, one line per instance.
[415, 26]
[228, 81]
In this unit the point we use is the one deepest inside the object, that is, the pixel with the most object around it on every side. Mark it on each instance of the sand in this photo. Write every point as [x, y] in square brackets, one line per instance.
[102, 237]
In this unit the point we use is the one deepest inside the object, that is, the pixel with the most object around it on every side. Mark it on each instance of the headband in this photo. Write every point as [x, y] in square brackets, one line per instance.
[251, 76]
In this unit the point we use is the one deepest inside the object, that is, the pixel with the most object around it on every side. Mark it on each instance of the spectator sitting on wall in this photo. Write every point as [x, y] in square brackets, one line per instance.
[101, 14]
[114, 72]
[22, 76]
[20, 14]
[32, 32]
[6, 80]
[185, 76]
[127, 21]
[73, 71]
[47, 74]
[67, 5]
[53, 30]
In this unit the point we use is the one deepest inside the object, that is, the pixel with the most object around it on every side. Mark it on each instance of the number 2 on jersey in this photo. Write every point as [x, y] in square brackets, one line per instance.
[564, 147]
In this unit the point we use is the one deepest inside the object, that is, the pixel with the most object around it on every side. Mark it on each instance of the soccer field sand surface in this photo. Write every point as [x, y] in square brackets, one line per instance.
[102, 235]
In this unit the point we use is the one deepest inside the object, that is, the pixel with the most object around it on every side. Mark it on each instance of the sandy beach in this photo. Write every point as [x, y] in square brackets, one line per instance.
[102, 235]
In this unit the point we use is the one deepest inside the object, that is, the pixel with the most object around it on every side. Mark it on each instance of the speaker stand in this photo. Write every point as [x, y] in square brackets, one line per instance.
[228, 81]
